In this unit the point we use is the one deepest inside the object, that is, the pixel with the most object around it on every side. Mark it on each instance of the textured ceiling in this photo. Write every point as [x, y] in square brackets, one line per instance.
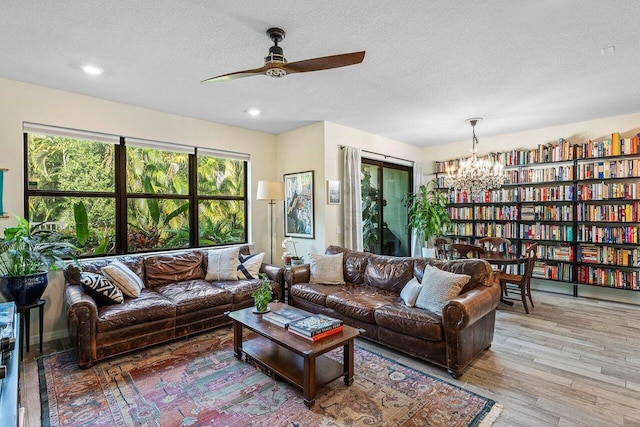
[429, 64]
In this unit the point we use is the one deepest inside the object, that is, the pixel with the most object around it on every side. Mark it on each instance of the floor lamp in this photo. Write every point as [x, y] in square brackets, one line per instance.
[271, 191]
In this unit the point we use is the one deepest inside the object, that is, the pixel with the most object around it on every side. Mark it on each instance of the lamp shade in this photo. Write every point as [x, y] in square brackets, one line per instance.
[270, 190]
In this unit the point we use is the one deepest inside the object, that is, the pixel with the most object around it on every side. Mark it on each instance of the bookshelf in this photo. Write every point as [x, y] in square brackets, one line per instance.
[580, 202]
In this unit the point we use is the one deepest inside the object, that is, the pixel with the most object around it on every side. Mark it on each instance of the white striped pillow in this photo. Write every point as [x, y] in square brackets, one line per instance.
[124, 278]
[250, 266]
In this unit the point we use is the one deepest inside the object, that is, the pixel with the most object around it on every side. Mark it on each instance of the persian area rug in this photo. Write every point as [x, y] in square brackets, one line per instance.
[199, 382]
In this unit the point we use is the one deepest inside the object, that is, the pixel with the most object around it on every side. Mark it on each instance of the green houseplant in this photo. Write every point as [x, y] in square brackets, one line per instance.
[428, 214]
[262, 295]
[26, 255]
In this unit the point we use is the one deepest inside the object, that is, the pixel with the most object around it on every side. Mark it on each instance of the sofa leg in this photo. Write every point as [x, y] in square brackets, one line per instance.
[454, 374]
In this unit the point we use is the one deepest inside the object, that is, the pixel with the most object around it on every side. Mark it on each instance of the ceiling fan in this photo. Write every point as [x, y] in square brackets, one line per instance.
[275, 64]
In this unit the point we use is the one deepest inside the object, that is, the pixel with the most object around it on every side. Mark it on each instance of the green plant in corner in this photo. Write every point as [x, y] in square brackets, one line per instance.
[263, 294]
[25, 250]
[428, 213]
[27, 253]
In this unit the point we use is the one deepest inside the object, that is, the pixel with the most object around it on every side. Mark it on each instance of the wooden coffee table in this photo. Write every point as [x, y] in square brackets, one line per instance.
[292, 358]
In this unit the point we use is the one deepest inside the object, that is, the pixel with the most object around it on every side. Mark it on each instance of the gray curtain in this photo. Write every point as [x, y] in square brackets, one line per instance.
[352, 199]
[417, 242]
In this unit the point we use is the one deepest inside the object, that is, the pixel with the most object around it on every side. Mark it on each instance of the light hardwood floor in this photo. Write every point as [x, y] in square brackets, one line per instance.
[571, 362]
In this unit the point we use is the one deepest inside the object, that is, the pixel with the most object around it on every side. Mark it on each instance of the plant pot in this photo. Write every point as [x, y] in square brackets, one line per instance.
[24, 290]
[297, 261]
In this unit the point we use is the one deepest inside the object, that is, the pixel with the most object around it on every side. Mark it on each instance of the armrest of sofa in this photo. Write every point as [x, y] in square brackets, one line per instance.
[466, 309]
[298, 274]
[273, 272]
[82, 317]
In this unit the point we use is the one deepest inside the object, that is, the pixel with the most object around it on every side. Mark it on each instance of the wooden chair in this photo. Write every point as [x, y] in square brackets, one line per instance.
[441, 248]
[497, 244]
[522, 282]
[464, 250]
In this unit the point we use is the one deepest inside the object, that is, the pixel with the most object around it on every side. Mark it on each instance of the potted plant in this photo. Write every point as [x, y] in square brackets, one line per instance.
[26, 255]
[262, 295]
[428, 215]
[295, 259]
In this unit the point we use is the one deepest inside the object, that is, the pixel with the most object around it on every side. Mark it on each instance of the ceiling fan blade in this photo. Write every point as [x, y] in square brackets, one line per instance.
[237, 75]
[323, 63]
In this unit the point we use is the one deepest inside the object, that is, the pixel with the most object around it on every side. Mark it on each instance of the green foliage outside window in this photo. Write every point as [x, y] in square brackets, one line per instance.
[72, 191]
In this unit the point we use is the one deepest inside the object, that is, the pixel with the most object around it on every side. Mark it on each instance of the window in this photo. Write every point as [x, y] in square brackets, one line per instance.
[134, 195]
[384, 215]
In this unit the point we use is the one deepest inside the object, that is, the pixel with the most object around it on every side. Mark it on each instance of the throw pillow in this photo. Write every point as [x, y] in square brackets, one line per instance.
[222, 264]
[249, 266]
[410, 292]
[438, 287]
[326, 269]
[101, 289]
[124, 278]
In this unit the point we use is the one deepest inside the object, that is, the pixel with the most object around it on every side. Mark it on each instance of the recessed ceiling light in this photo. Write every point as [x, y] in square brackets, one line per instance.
[253, 112]
[93, 70]
[608, 50]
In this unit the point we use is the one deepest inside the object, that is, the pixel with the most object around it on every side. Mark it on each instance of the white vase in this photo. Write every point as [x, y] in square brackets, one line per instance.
[428, 252]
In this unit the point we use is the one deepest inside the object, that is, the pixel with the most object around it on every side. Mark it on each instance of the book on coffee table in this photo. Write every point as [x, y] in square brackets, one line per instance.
[314, 325]
[284, 316]
[318, 337]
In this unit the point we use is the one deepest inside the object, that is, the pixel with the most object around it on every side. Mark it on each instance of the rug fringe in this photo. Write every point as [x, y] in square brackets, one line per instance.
[492, 416]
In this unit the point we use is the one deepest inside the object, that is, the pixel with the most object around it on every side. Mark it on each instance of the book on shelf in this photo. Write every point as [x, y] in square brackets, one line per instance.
[284, 316]
[318, 337]
[314, 325]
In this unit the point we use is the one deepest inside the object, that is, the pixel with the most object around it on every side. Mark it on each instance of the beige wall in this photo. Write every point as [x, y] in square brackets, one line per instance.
[22, 102]
[302, 150]
[627, 125]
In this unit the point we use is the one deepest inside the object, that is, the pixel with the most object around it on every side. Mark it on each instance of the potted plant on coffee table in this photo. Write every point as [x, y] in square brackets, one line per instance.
[262, 295]
[428, 215]
[26, 256]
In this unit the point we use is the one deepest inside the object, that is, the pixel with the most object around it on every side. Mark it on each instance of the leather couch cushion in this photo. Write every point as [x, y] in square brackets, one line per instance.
[163, 269]
[313, 292]
[148, 307]
[241, 290]
[359, 301]
[410, 321]
[134, 262]
[354, 263]
[193, 295]
[479, 270]
[388, 273]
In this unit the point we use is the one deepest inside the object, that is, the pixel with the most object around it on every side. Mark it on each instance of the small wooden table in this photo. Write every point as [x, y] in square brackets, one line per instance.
[292, 358]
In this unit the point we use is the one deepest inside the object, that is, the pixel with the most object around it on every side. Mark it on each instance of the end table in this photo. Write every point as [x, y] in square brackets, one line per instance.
[25, 320]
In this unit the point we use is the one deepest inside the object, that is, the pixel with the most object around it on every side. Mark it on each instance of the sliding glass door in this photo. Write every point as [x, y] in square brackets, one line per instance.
[384, 216]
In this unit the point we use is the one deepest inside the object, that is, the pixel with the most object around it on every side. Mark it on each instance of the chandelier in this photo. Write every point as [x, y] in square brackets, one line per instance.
[474, 175]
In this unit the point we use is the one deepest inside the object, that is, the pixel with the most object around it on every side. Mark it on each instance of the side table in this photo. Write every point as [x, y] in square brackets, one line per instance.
[25, 320]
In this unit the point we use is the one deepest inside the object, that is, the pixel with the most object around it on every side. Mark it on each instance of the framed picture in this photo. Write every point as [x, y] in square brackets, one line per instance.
[298, 204]
[333, 192]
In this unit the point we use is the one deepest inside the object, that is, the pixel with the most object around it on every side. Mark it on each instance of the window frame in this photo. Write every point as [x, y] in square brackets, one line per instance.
[122, 197]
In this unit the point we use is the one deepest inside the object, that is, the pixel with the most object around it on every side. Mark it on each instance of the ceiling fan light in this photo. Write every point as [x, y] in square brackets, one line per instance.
[276, 72]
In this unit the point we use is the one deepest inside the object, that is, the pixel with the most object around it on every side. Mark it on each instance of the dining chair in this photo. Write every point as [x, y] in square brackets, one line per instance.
[497, 244]
[441, 248]
[464, 250]
[522, 283]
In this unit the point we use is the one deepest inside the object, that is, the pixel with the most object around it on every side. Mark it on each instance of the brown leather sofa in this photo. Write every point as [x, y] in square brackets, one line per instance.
[175, 302]
[370, 300]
